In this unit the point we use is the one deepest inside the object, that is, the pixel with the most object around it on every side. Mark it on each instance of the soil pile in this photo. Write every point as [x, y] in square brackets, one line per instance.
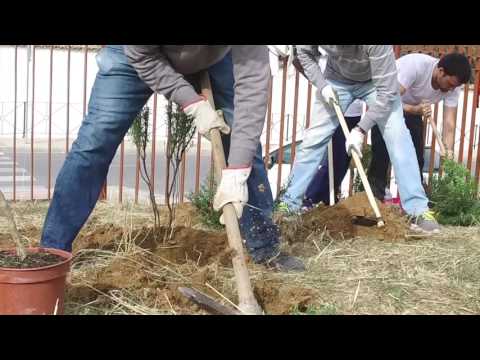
[339, 222]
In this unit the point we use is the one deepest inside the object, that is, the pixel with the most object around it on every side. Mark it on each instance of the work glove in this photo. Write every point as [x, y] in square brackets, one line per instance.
[355, 142]
[329, 94]
[206, 118]
[232, 189]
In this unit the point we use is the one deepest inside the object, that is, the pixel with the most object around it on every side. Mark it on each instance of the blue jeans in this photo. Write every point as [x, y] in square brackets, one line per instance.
[395, 133]
[117, 97]
[318, 190]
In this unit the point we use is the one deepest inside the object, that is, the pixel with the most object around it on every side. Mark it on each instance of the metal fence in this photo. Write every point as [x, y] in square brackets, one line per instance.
[31, 156]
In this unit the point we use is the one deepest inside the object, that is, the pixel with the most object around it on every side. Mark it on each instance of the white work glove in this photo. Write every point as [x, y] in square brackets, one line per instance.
[206, 118]
[232, 189]
[329, 94]
[355, 142]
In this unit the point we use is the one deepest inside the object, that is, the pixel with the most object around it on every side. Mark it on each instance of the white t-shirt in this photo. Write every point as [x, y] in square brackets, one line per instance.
[356, 108]
[415, 75]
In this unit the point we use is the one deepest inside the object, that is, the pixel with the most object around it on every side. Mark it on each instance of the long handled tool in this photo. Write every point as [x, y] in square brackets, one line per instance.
[441, 145]
[359, 166]
[247, 302]
[331, 174]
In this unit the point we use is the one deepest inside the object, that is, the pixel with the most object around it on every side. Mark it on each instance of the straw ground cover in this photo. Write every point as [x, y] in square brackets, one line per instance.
[117, 270]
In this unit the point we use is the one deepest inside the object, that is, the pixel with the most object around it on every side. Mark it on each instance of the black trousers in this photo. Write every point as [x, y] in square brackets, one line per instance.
[378, 170]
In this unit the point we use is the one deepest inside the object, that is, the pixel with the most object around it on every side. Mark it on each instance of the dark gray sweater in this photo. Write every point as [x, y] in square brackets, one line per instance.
[162, 68]
[353, 64]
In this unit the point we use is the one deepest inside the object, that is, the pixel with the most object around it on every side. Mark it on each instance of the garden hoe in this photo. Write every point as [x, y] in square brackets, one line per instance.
[361, 172]
[248, 305]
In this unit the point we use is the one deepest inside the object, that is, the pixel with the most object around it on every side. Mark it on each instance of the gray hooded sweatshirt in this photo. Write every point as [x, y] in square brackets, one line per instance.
[162, 68]
[353, 64]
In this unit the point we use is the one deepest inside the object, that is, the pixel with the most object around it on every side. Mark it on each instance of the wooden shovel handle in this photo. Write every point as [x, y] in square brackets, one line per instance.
[359, 166]
[247, 301]
[441, 145]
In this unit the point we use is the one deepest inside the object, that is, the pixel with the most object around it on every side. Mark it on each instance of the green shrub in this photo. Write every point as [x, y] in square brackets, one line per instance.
[454, 196]
[203, 202]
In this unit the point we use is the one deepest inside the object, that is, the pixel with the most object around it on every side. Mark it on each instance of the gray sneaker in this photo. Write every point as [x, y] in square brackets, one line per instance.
[284, 262]
[425, 223]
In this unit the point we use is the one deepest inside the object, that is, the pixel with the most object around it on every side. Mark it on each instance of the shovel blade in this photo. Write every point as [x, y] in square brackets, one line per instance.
[206, 302]
[364, 221]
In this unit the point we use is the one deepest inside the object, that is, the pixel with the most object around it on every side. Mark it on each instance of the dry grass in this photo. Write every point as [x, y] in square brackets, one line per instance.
[438, 275]
[434, 276]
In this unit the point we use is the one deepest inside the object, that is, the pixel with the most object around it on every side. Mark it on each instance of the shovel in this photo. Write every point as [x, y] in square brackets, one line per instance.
[247, 302]
[358, 164]
[442, 149]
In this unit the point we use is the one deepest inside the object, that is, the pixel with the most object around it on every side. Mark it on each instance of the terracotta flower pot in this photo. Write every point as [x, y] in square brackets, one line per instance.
[35, 291]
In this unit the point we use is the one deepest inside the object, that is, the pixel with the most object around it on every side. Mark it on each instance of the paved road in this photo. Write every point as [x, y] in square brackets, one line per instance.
[40, 172]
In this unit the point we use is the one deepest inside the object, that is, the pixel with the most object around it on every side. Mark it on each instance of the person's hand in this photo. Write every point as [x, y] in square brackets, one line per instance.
[232, 189]
[206, 118]
[355, 142]
[329, 94]
[426, 109]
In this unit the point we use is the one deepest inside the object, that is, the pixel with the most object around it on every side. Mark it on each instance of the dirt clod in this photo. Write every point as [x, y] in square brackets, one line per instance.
[280, 299]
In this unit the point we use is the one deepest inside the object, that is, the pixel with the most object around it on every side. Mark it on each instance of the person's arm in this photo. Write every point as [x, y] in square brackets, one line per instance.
[309, 56]
[251, 68]
[155, 70]
[411, 109]
[384, 77]
[449, 116]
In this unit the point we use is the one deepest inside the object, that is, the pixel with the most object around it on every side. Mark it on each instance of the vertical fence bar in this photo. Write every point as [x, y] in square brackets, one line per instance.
[67, 134]
[33, 119]
[197, 163]
[85, 67]
[477, 69]
[15, 126]
[212, 169]
[477, 89]
[472, 122]
[137, 177]
[167, 167]
[309, 105]
[154, 140]
[50, 124]
[295, 113]
[269, 122]
[432, 147]
[464, 113]
[182, 177]
[120, 182]
[282, 125]
[464, 121]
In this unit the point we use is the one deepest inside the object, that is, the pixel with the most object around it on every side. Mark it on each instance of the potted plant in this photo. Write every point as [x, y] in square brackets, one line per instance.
[32, 280]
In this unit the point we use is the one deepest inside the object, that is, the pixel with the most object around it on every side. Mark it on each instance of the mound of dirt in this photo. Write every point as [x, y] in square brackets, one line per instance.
[339, 221]
[153, 287]
[277, 298]
[201, 247]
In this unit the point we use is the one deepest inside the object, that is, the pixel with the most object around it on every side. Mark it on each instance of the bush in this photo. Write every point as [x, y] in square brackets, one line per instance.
[203, 202]
[454, 196]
